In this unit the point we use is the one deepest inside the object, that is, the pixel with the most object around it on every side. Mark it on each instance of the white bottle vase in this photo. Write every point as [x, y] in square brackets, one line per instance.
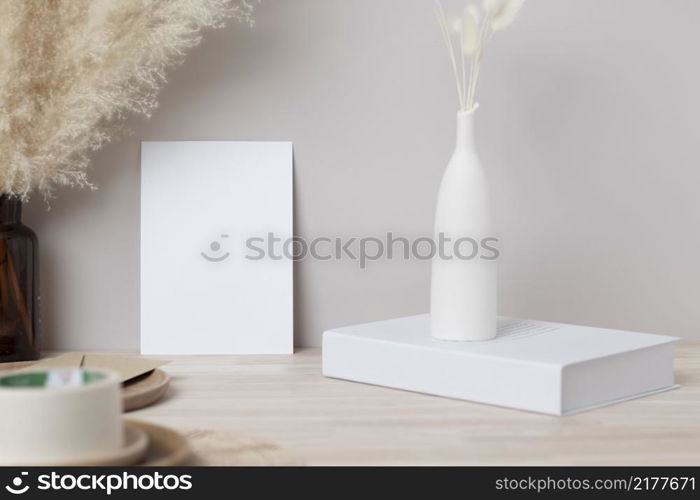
[463, 289]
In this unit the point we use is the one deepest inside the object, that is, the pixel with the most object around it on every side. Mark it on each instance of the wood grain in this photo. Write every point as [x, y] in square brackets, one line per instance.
[285, 400]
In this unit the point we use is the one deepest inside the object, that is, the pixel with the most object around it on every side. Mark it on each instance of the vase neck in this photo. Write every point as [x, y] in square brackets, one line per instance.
[465, 129]
[10, 210]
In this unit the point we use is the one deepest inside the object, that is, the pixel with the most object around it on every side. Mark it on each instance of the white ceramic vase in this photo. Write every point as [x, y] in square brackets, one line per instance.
[463, 290]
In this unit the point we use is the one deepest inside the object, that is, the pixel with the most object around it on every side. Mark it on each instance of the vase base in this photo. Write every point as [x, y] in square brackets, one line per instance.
[457, 340]
[10, 352]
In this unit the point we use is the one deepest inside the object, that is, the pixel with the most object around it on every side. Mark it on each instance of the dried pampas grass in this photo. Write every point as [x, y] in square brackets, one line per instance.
[71, 69]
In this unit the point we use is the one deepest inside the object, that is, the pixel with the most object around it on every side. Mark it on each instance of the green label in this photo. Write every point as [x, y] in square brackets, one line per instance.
[51, 378]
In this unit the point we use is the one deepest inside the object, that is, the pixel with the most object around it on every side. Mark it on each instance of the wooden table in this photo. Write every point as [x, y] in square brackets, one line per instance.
[285, 400]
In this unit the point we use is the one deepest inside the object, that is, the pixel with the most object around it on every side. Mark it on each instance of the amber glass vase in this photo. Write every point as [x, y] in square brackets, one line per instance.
[19, 285]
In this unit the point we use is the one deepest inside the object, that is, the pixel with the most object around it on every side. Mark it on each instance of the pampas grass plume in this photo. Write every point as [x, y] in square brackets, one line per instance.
[71, 70]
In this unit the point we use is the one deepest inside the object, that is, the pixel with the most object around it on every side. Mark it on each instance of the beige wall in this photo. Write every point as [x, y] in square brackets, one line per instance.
[588, 126]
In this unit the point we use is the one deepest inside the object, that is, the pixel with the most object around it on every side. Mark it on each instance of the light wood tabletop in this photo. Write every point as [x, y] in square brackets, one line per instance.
[285, 400]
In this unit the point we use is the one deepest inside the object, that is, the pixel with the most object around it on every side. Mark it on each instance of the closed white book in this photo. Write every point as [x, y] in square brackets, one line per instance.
[531, 365]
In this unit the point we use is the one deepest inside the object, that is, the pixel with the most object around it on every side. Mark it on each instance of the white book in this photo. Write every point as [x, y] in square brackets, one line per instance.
[531, 365]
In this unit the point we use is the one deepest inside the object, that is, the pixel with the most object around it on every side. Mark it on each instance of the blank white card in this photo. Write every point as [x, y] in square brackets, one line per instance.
[203, 290]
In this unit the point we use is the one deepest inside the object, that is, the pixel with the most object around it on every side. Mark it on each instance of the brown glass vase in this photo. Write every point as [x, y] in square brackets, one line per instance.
[19, 285]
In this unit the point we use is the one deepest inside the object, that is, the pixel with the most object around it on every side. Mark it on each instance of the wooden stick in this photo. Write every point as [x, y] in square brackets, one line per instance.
[4, 292]
[21, 305]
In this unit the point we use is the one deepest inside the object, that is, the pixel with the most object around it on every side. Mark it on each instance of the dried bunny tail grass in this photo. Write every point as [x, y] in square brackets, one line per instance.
[70, 70]
[473, 30]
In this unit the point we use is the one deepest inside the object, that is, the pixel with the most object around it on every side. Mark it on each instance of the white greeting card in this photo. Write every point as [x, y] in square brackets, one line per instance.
[202, 203]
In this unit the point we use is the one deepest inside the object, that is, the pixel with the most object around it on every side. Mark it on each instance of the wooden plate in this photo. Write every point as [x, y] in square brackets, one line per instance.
[137, 393]
[145, 389]
[166, 447]
[15, 365]
[136, 445]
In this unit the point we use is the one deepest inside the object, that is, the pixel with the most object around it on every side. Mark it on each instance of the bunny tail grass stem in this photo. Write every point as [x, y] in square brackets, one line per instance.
[469, 99]
[476, 63]
[442, 21]
[464, 77]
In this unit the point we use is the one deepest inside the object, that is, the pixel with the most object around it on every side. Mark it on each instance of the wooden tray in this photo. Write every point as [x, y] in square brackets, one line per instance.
[136, 445]
[145, 389]
[145, 444]
[165, 448]
[137, 393]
